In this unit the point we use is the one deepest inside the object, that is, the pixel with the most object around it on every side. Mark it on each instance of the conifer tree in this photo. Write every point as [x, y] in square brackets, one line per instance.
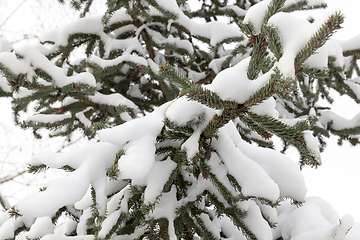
[184, 111]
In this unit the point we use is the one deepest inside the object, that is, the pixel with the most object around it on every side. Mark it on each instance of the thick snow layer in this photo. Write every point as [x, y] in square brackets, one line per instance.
[167, 208]
[22, 92]
[4, 85]
[48, 118]
[82, 118]
[90, 163]
[315, 214]
[191, 145]
[295, 33]
[256, 14]
[9, 60]
[126, 57]
[5, 45]
[35, 59]
[252, 178]
[208, 30]
[256, 223]
[41, 227]
[184, 110]
[139, 157]
[267, 107]
[338, 122]
[60, 36]
[337, 232]
[108, 223]
[279, 167]
[354, 85]
[63, 237]
[158, 176]
[139, 134]
[233, 84]
[114, 99]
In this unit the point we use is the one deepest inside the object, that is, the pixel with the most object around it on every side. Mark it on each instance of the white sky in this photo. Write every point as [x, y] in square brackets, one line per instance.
[337, 181]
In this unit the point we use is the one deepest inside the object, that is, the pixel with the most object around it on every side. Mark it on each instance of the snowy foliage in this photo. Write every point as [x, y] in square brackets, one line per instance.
[185, 149]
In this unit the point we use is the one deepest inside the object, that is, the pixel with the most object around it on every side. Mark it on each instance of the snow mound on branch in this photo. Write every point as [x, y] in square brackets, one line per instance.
[68, 190]
[208, 30]
[233, 83]
[316, 219]
[295, 33]
[252, 178]
[138, 138]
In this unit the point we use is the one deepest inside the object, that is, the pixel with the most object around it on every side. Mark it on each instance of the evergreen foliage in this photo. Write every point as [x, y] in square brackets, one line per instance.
[185, 113]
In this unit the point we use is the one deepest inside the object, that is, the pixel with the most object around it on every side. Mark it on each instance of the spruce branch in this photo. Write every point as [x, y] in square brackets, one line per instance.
[37, 168]
[169, 72]
[274, 41]
[258, 54]
[208, 98]
[274, 7]
[303, 5]
[319, 38]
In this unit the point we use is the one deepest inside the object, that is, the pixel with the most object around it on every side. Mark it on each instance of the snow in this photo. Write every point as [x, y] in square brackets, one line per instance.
[316, 219]
[191, 145]
[32, 58]
[81, 227]
[120, 16]
[41, 227]
[156, 179]
[134, 135]
[239, 11]
[233, 84]
[338, 122]
[312, 145]
[267, 107]
[126, 57]
[48, 118]
[167, 208]
[5, 45]
[134, 91]
[70, 189]
[291, 28]
[229, 229]
[82, 118]
[108, 223]
[177, 113]
[63, 237]
[7, 229]
[279, 167]
[22, 92]
[4, 85]
[253, 179]
[256, 223]
[208, 30]
[139, 158]
[113, 99]
[256, 14]
[354, 85]
[9, 60]
[61, 35]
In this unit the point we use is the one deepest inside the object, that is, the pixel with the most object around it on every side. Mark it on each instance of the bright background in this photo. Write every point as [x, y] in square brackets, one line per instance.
[337, 180]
